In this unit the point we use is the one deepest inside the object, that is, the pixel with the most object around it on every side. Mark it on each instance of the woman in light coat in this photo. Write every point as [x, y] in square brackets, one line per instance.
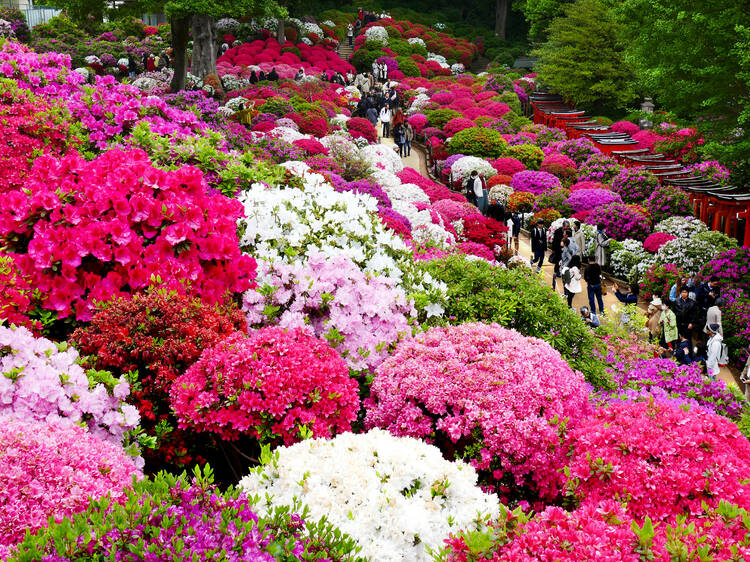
[573, 286]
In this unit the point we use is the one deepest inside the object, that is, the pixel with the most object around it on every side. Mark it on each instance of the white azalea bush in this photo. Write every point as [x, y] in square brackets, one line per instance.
[376, 33]
[417, 41]
[457, 68]
[464, 166]
[688, 254]
[396, 496]
[382, 157]
[681, 227]
[629, 259]
[424, 227]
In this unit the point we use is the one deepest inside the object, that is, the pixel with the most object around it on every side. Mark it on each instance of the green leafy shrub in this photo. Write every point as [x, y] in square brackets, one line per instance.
[408, 67]
[530, 154]
[439, 117]
[478, 141]
[363, 58]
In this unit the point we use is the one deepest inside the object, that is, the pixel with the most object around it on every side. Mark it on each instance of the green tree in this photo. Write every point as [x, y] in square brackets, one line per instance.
[81, 10]
[693, 58]
[583, 60]
[539, 15]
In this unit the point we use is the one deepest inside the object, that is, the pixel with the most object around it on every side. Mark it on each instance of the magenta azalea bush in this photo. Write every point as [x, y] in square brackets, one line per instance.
[660, 459]
[534, 182]
[588, 199]
[579, 150]
[268, 385]
[668, 201]
[52, 472]
[620, 221]
[656, 240]
[634, 184]
[360, 315]
[484, 393]
[90, 231]
[600, 168]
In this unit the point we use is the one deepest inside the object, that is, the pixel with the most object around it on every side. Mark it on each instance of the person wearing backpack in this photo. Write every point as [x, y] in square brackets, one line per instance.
[601, 243]
[571, 277]
[715, 351]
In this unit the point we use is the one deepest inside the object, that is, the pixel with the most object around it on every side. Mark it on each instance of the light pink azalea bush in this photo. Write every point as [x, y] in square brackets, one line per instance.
[268, 385]
[90, 231]
[486, 394]
[360, 315]
[52, 472]
[42, 381]
[660, 459]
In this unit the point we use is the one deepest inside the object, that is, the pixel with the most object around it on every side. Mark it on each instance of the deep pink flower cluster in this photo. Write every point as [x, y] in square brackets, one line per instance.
[91, 231]
[52, 472]
[559, 165]
[534, 182]
[656, 241]
[486, 392]
[267, 385]
[507, 166]
[621, 221]
[588, 199]
[662, 460]
[668, 201]
[455, 210]
[435, 191]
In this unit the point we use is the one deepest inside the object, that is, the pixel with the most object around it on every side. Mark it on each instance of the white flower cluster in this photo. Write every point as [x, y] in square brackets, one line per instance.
[396, 496]
[269, 23]
[681, 227]
[288, 224]
[464, 166]
[377, 33]
[92, 59]
[227, 24]
[457, 68]
[339, 120]
[308, 28]
[328, 23]
[417, 41]
[439, 26]
[418, 104]
[440, 59]
[145, 84]
[688, 254]
[123, 61]
[235, 103]
[286, 134]
[382, 157]
[307, 41]
[499, 194]
[6, 30]
[231, 82]
[423, 229]
[631, 260]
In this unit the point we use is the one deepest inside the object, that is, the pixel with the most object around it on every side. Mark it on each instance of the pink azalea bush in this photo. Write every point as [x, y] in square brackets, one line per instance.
[588, 185]
[483, 393]
[507, 166]
[621, 221]
[40, 381]
[660, 459]
[634, 184]
[656, 240]
[624, 127]
[91, 231]
[267, 385]
[559, 165]
[534, 182]
[360, 315]
[454, 210]
[52, 472]
[668, 201]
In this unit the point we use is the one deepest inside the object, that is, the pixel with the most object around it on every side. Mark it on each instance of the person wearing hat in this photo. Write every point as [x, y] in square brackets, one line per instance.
[714, 350]
[653, 322]
[591, 319]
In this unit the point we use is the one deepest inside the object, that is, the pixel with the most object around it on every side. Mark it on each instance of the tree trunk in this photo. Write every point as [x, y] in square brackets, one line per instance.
[180, 30]
[204, 46]
[501, 17]
[280, 34]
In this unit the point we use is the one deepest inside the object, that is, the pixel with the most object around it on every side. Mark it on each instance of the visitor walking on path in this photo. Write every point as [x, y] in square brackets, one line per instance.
[572, 279]
[514, 228]
[593, 278]
[557, 247]
[669, 326]
[538, 244]
[653, 322]
[350, 34]
[714, 351]
[408, 137]
[385, 119]
[601, 243]
[580, 240]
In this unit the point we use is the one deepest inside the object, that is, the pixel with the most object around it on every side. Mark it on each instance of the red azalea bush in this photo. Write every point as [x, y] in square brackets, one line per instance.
[507, 166]
[16, 296]
[475, 249]
[455, 210]
[359, 127]
[268, 385]
[660, 459]
[310, 123]
[50, 471]
[656, 240]
[486, 394]
[159, 334]
[90, 231]
[521, 201]
[559, 165]
[485, 230]
[588, 185]
[498, 180]
[30, 127]
[311, 146]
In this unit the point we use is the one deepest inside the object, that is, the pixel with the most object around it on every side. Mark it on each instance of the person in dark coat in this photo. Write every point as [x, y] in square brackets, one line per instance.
[593, 278]
[629, 294]
[686, 312]
[538, 244]
[132, 66]
[683, 351]
[273, 75]
[262, 76]
[557, 248]
[253, 77]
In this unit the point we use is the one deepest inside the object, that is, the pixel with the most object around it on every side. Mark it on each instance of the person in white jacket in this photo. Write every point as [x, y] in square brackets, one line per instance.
[714, 350]
[385, 119]
[572, 278]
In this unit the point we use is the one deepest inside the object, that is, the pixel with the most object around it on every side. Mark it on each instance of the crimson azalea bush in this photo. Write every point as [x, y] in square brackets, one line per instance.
[88, 231]
[486, 394]
[560, 166]
[268, 385]
[661, 460]
[52, 472]
[16, 296]
[521, 201]
[668, 201]
[485, 231]
[588, 185]
[621, 221]
[159, 334]
[656, 240]
[359, 127]
[634, 184]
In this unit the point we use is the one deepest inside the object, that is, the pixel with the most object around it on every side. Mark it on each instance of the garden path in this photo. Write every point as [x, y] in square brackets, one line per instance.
[581, 299]
[416, 159]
